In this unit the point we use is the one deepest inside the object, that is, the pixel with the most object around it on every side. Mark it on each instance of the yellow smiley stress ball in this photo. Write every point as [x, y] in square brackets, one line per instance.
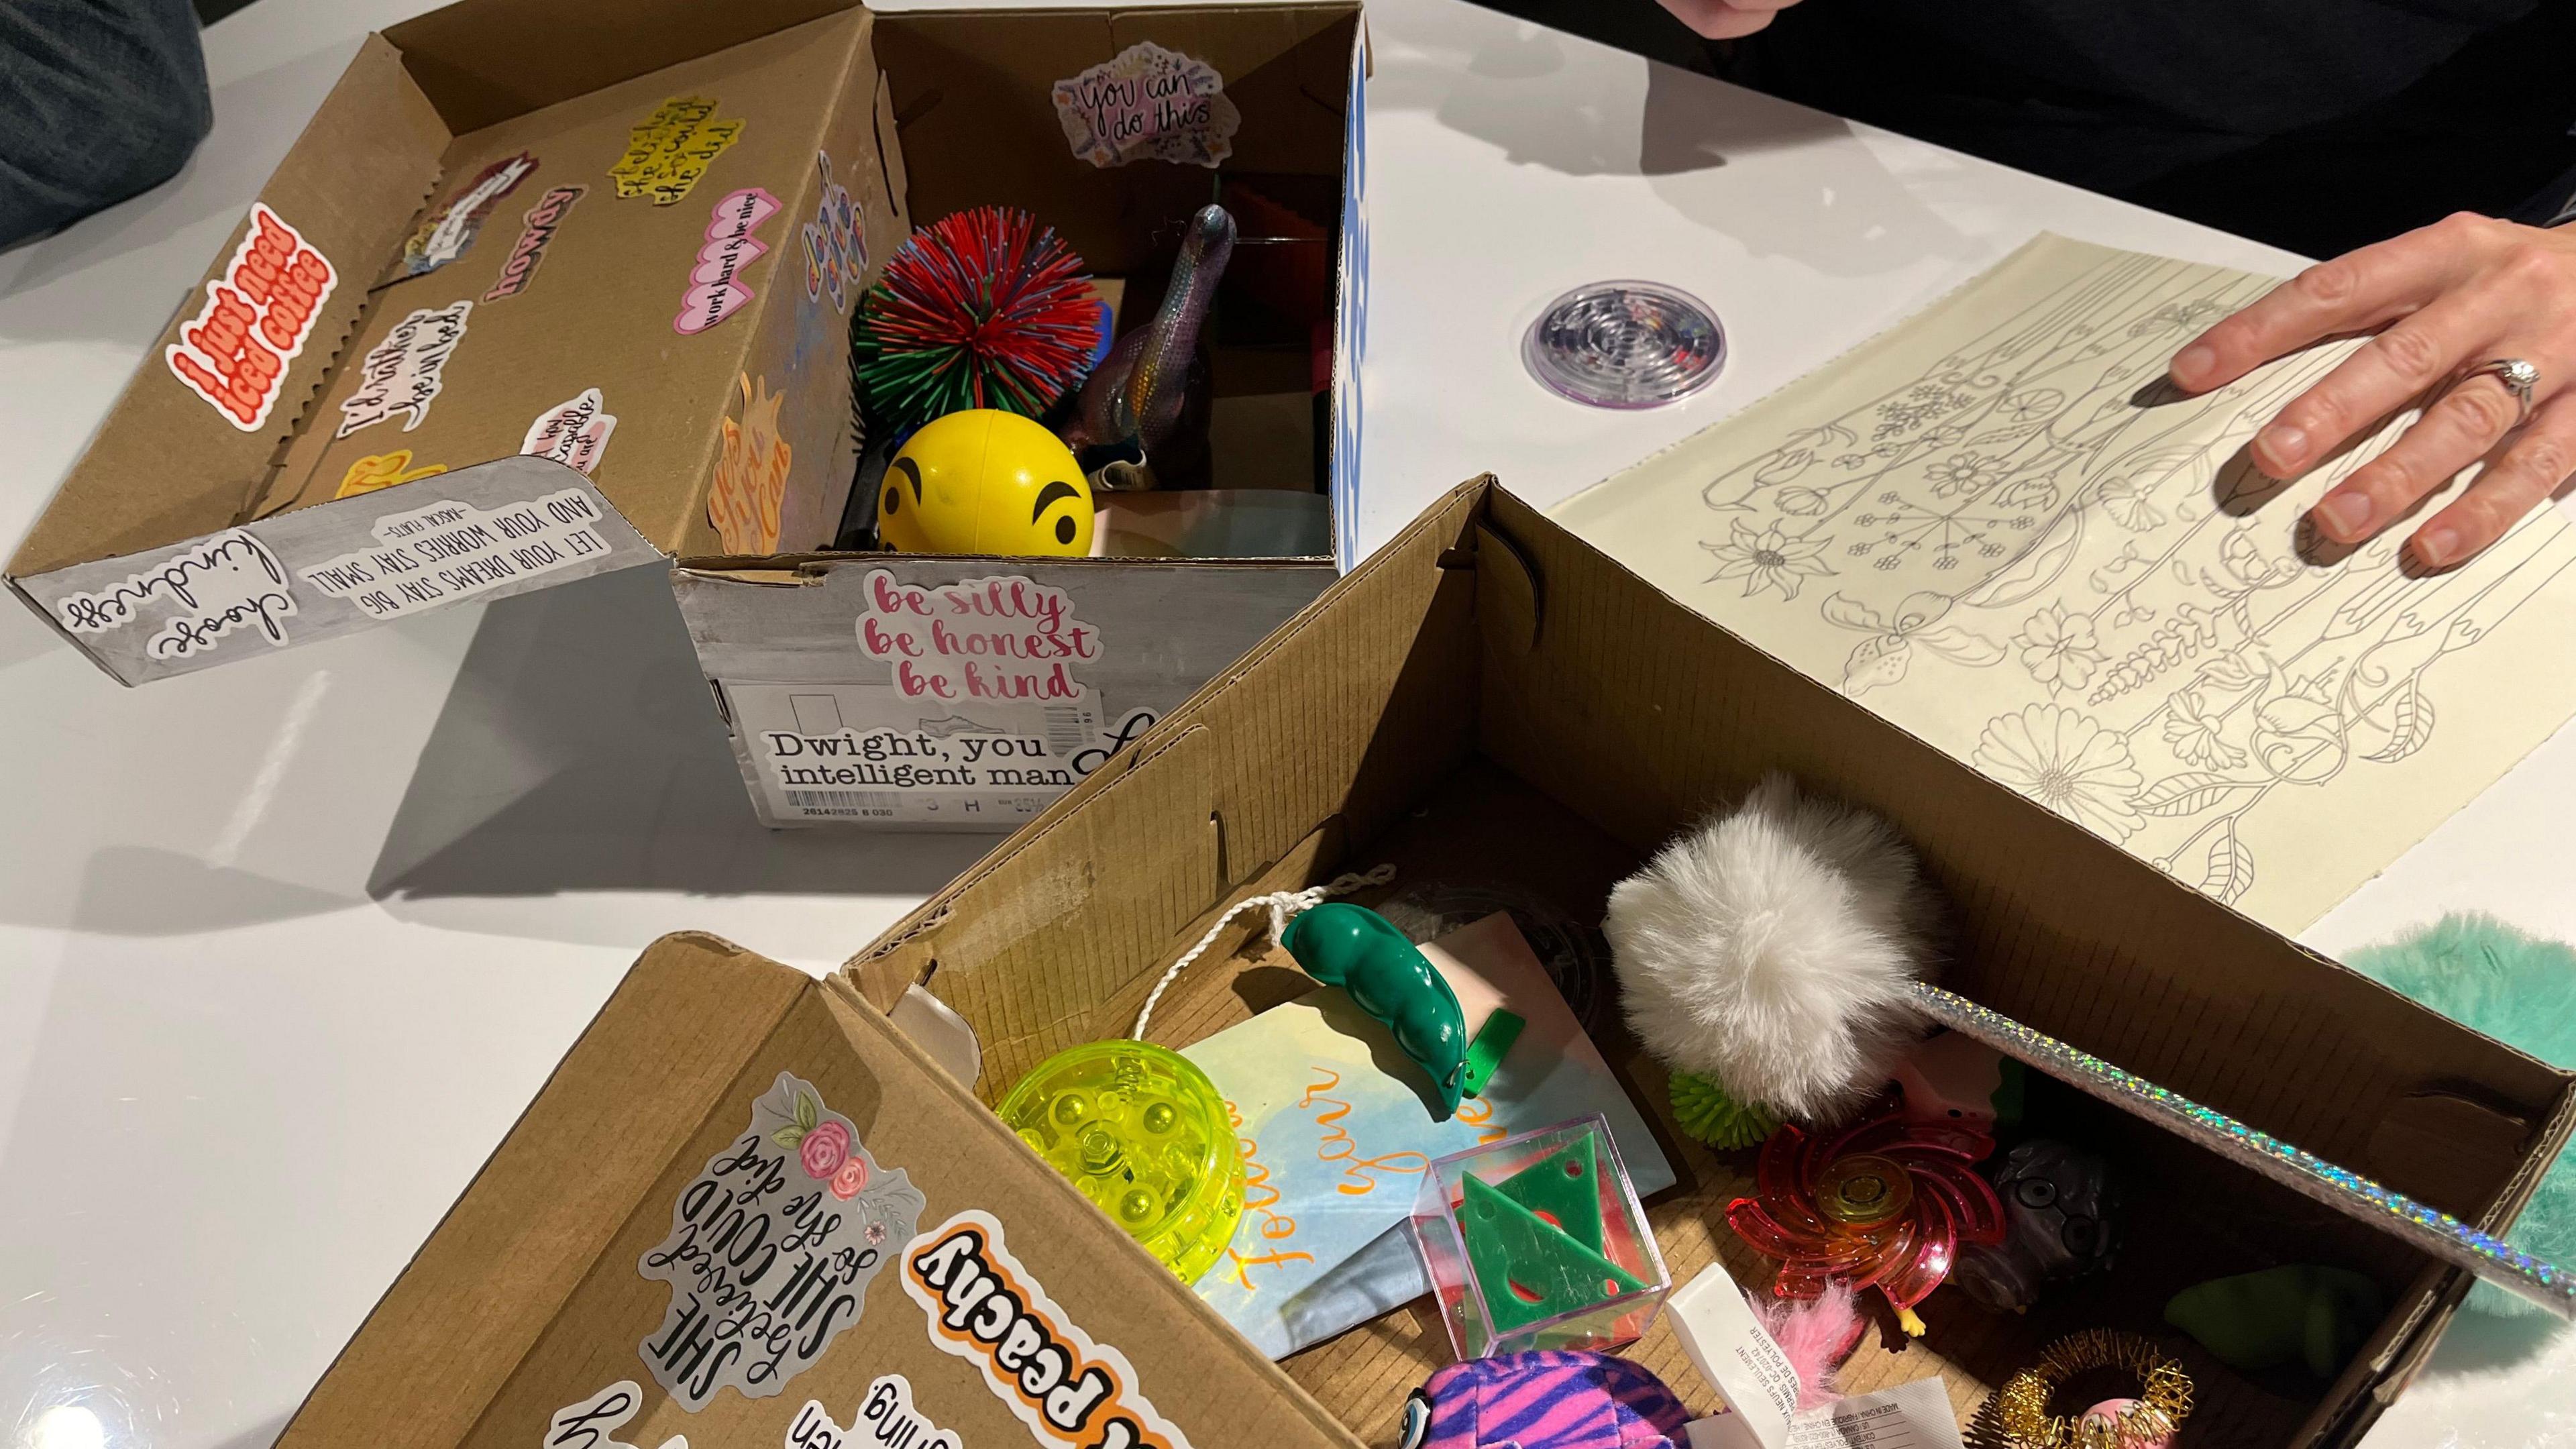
[985, 481]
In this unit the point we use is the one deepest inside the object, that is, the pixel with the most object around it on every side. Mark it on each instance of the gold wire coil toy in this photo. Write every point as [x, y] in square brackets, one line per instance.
[2163, 1399]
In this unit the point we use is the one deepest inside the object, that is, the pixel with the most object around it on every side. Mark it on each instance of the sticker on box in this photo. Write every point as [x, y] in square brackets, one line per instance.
[836, 254]
[442, 552]
[403, 374]
[1148, 103]
[446, 233]
[537, 232]
[573, 433]
[862, 752]
[214, 589]
[379, 471]
[887, 1417]
[771, 1250]
[750, 487]
[716, 288]
[235, 351]
[670, 149]
[1006, 637]
[593, 1423]
[985, 1307]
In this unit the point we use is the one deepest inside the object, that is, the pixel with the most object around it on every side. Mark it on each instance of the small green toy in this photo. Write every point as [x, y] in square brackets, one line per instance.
[1564, 1190]
[2301, 1313]
[1705, 1112]
[1360, 951]
[1542, 1272]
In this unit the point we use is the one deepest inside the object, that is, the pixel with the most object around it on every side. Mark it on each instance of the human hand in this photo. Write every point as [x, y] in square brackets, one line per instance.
[2442, 299]
[1726, 19]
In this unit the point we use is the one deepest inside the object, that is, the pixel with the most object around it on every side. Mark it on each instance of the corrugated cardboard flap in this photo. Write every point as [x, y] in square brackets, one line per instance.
[632, 1092]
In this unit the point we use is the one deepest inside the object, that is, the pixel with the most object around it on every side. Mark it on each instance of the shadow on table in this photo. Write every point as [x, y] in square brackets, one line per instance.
[1545, 99]
[579, 751]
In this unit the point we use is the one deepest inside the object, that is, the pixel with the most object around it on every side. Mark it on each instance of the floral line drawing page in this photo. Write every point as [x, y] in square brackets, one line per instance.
[1997, 526]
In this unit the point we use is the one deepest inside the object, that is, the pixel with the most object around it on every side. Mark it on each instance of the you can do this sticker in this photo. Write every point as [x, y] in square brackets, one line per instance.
[1148, 103]
[771, 1250]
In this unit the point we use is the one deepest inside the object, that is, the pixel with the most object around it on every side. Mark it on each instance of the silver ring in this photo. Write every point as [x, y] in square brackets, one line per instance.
[2518, 376]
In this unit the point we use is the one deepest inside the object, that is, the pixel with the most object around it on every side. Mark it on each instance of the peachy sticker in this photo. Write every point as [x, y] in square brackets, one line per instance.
[404, 373]
[383, 470]
[593, 1423]
[536, 234]
[447, 232]
[986, 1308]
[887, 1419]
[771, 1250]
[716, 288]
[235, 351]
[1148, 103]
[573, 433]
[670, 149]
[835, 254]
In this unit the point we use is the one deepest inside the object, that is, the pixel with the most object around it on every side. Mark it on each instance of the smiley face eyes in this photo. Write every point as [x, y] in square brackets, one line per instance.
[1064, 531]
[893, 501]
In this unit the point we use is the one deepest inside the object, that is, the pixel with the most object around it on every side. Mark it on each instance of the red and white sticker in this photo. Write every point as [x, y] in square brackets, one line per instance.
[998, 638]
[537, 233]
[988, 1309]
[716, 288]
[235, 351]
[573, 433]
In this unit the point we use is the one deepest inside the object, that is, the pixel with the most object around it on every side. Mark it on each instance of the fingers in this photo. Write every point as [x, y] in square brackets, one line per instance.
[2353, 292]
[2539, 461]
[2457, 430]
[1726, 19]
[2381, 376]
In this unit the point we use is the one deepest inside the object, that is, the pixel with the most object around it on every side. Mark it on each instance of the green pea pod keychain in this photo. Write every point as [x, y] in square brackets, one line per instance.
[1360, 951]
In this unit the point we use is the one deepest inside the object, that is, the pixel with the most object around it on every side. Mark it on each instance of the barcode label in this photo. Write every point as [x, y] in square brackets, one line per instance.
[872, 803]
[1067, 731]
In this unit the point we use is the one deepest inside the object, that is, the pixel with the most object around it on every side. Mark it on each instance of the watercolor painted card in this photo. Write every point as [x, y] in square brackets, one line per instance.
[1336, 1136]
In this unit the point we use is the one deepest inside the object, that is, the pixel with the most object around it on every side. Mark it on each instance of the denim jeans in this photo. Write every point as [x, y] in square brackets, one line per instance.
[99, 99]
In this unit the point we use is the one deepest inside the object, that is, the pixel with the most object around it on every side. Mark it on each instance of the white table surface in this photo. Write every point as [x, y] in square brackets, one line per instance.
[286, 946]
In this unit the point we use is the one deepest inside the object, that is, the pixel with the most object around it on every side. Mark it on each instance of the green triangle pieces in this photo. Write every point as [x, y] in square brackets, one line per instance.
[1563, 1188]
[1527, 1269]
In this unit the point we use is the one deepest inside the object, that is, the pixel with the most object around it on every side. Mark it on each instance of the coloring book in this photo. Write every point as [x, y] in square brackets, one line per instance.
[1998, 526]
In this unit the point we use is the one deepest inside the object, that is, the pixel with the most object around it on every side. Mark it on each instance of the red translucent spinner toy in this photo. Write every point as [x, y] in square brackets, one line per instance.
[1884, 1203]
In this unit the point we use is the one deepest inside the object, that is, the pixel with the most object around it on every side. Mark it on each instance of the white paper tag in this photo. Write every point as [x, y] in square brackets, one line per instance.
[1738, 1357]
[1729, 1347]
[442, 552]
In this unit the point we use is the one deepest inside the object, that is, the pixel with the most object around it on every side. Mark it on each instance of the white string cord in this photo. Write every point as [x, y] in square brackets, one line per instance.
[1282, 904]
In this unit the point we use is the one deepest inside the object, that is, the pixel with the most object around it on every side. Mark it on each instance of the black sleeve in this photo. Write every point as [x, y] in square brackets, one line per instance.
[99, 99]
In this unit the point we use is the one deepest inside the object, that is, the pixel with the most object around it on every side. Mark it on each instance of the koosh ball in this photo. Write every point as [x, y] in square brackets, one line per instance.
[985, 481]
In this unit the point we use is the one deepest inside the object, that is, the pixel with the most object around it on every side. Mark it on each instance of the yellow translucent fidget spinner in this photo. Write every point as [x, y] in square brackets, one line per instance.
[1140, 1131]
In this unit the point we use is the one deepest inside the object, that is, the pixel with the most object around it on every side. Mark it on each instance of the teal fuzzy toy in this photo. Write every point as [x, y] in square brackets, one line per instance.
[2521, 990]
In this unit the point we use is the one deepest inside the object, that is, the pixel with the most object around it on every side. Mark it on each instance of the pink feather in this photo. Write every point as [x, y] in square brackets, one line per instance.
[1817, 1335]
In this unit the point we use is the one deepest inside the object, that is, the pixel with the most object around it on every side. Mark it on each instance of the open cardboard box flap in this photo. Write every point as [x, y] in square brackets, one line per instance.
[527, 1297]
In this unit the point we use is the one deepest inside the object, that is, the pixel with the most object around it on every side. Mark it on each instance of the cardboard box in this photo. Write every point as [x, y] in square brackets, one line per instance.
[545, 290]
[1486, 703]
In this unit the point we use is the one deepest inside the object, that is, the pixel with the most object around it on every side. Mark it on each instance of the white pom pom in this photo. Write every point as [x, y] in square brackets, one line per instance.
[1775, 950]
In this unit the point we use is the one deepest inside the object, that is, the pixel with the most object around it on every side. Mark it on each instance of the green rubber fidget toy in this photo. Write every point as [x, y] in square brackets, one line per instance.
[1140, 1131]
[1388, 977]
